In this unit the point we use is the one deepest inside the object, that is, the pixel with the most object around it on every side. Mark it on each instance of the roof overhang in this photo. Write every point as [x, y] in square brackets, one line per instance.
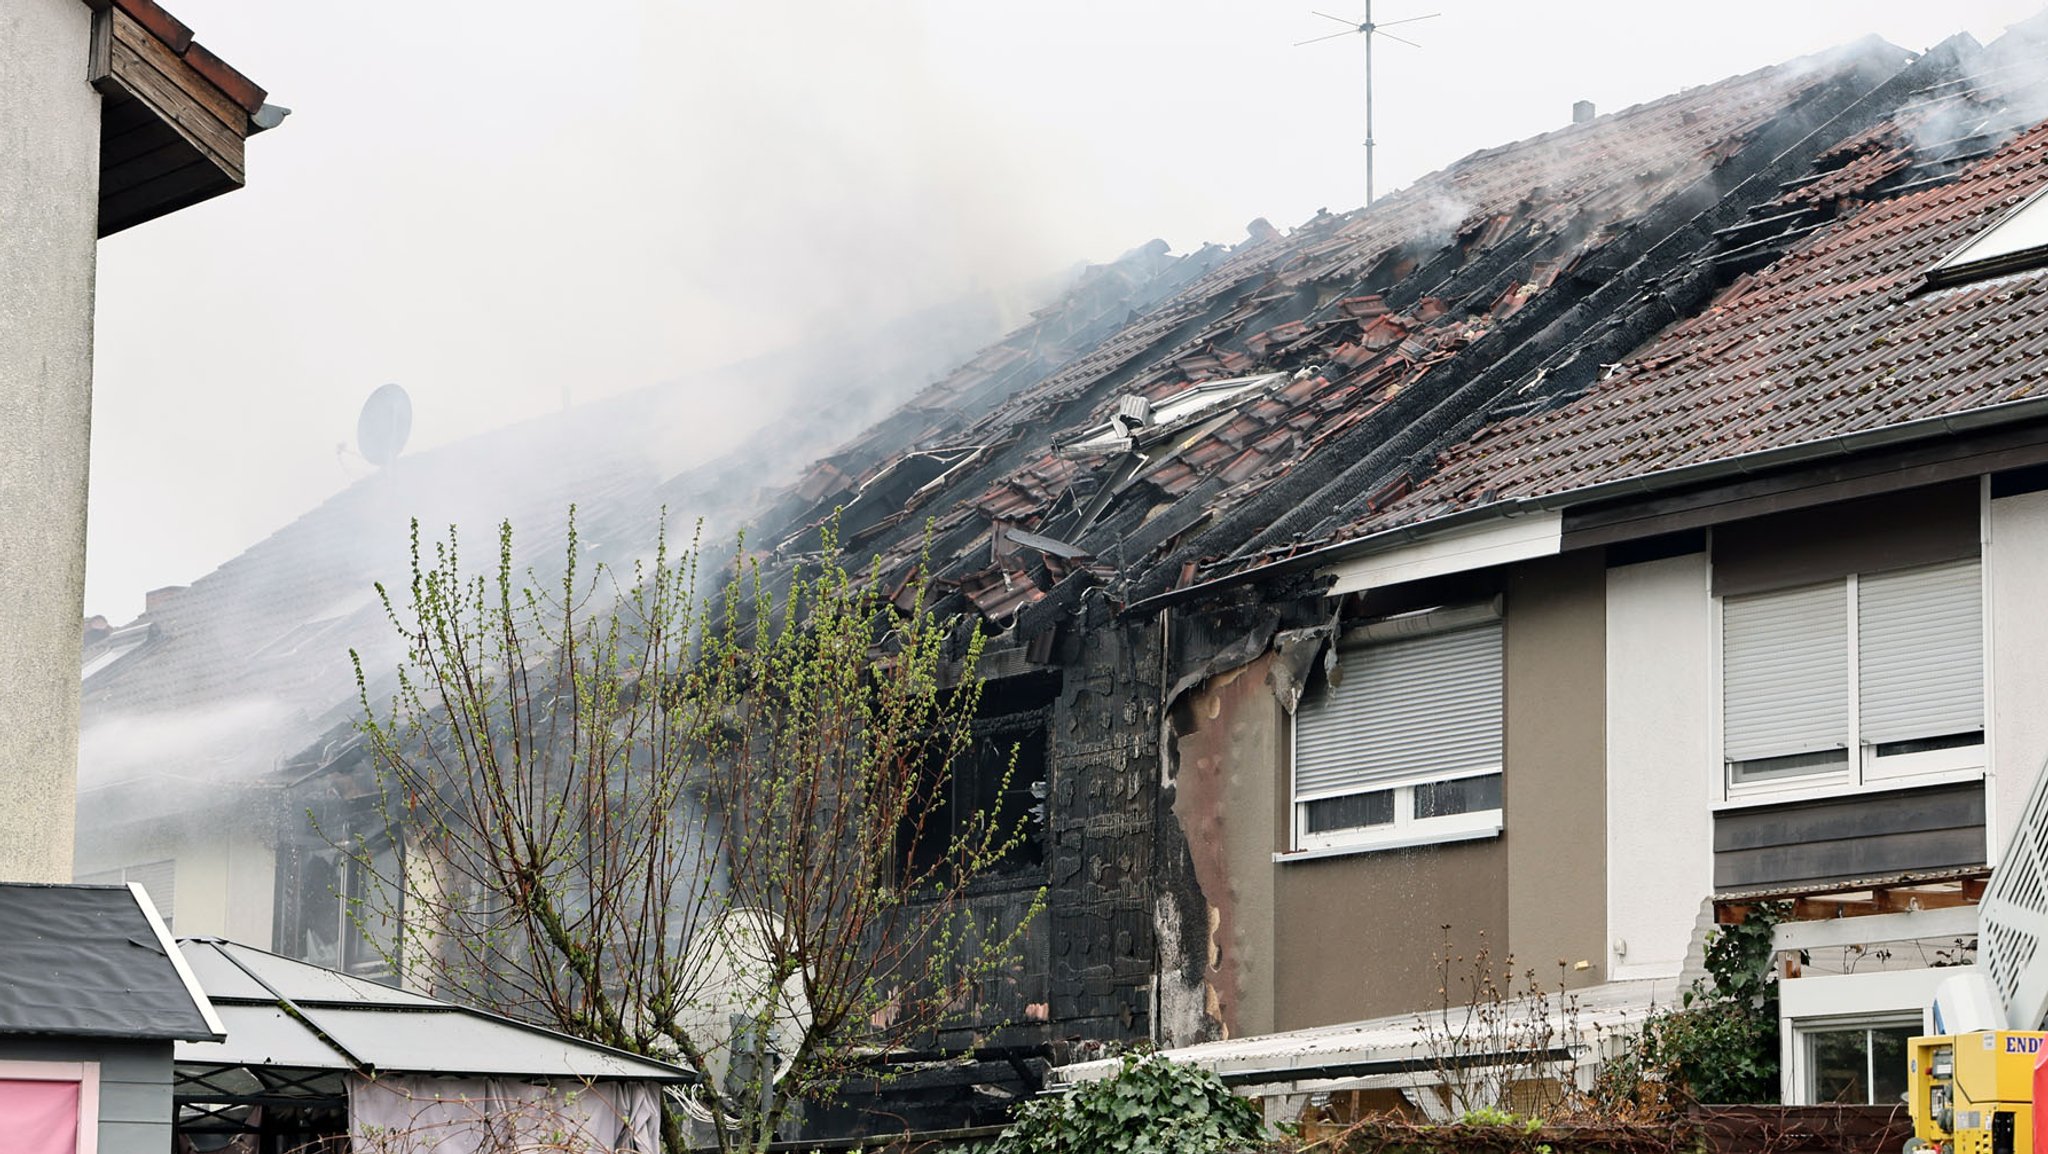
[1457, 550]
[173, 117]
[1397, 1051]
[1423, 546]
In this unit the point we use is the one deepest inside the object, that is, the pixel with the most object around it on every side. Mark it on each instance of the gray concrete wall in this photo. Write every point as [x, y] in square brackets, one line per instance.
[135, 1084]
[49, 194]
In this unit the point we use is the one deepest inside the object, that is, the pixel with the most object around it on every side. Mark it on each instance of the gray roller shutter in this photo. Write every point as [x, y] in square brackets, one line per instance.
[1785, 672]
[1407, 710]
[1920, 648]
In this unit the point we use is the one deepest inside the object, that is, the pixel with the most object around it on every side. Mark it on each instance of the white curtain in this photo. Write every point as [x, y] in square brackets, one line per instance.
[418, 1114]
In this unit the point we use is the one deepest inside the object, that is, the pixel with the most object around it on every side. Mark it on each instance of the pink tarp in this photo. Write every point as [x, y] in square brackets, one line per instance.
[39, 1117]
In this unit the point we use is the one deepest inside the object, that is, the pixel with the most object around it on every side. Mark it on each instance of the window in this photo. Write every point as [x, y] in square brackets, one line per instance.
[50, 1107]
[2015, 243]
[1862, 679]
[1402, 744]
[984, 789]
[339, 902]
[1856, 1066]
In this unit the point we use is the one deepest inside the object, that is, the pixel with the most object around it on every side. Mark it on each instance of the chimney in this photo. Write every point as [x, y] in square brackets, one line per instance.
[156, 600]
[1582, 111]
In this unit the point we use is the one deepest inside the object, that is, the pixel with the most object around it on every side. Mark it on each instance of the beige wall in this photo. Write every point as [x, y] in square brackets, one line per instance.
[49, 213]
[1555, 789]
[1334, 939]
[1358, 936]
[224, 871]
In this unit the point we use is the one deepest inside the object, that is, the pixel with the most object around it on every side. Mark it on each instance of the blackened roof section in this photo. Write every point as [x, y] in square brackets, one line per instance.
[1844, 333]
[1377, 336]
[86, 962]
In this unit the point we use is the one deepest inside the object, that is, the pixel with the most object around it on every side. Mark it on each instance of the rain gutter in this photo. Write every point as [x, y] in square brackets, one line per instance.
[1744, 464]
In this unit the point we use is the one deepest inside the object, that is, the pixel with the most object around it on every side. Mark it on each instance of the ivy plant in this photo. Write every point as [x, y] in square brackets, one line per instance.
[1721, 1044]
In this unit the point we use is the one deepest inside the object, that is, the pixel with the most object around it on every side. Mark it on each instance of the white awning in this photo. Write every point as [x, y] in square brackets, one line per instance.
[1397, 1050]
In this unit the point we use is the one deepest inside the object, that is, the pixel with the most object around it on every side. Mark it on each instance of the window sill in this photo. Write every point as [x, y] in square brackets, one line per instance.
[1470, 827]
[1838, 786]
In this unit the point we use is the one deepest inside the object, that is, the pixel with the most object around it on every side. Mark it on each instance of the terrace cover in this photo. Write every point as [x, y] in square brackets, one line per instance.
[312, 1053]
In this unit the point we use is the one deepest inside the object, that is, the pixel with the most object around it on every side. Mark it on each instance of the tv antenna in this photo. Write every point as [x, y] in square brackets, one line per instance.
[1366, 30]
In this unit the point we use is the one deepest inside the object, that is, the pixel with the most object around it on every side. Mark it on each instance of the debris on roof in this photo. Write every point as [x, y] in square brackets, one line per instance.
[1845, 332]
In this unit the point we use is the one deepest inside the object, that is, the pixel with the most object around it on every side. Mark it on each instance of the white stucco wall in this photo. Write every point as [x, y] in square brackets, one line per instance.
[49, 205]
[2015, 574]
[224, 870]
[226, 887]
[1659, 828]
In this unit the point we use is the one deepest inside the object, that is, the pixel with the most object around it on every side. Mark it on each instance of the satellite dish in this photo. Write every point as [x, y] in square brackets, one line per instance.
[726, 968]
[385, 422]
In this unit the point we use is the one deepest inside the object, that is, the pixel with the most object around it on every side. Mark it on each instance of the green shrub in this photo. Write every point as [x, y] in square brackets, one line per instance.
[1149, 1106]
[1721, 1045]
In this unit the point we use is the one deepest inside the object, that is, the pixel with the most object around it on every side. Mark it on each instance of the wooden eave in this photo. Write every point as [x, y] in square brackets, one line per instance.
[173, 116]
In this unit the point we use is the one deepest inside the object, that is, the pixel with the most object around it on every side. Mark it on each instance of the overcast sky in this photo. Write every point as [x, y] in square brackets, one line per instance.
[509, 206]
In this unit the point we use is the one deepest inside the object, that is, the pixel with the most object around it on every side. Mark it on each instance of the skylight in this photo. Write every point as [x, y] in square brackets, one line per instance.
[2014, 244]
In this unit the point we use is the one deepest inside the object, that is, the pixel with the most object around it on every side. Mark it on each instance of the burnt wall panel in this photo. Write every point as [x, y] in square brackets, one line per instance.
[1105, 773]
[1843, 838]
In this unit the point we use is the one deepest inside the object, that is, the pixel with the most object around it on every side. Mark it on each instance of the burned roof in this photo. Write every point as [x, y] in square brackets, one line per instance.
[1350, 349]
[1849, 331]
[83, 961]
[247, 669]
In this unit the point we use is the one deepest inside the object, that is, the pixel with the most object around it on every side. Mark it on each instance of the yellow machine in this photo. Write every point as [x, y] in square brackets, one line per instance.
[1973, 1093]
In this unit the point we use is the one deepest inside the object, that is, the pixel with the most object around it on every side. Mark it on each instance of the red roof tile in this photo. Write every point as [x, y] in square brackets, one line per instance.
[1841, 334]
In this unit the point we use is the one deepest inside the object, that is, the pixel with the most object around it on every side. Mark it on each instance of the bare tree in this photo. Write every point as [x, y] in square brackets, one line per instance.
[687, 827]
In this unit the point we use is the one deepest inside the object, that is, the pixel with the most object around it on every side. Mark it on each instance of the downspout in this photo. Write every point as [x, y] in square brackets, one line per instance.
[1165, 735]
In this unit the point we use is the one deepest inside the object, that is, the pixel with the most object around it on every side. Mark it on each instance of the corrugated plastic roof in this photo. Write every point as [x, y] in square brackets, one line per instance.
[1402, 1042]
[285, 1013]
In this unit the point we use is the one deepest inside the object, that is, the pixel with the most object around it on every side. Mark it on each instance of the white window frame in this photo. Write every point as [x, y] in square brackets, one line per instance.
[1862, 769]
[85, 1074]
[1406, 829]
[1805, 1033]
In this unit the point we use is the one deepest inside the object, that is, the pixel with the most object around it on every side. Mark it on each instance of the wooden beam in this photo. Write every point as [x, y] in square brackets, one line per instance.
[163, 193]
[154, 75]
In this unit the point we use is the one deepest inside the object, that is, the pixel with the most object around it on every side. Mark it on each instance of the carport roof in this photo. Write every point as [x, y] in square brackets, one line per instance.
[282, 1013]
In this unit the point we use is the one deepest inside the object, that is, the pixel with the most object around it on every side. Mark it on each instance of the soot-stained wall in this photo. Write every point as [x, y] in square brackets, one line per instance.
[1104, 789]
[1251, 945]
